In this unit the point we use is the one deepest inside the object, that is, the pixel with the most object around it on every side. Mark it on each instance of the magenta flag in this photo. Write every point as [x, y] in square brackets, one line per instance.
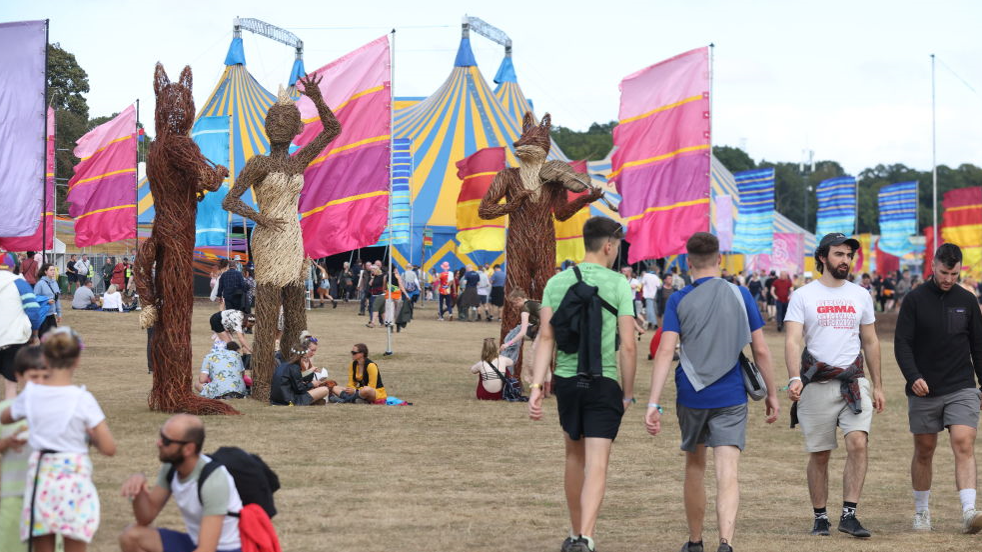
[23, 46]
[103, 191]
[661, 164]
[43, 237]
[345, 200]
[788, 254]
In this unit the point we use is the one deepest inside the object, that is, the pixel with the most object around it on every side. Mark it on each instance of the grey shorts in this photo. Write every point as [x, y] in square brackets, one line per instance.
[713, 427]
[933, 414]
[821, 409]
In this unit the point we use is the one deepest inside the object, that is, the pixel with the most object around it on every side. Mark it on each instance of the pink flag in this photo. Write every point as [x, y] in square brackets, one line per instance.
[788, 254]
[103, 191]
[661, 164]
[46, 229]
[724, 222]
[345, 199]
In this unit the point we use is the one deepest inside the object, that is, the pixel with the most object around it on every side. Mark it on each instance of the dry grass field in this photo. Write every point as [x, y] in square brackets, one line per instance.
[452, 474]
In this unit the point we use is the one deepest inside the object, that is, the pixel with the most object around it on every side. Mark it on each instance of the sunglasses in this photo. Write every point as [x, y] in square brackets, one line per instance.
[311, 339]
[167, 441]
[355, 352]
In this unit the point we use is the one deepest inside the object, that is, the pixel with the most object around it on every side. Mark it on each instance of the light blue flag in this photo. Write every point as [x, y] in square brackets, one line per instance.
[898, 217]
[836, 206]
[399, 201]
[754, 232]
[211, 224]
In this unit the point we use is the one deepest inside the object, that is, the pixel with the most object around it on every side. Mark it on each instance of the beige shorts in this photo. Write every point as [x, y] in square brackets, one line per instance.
[821, 409]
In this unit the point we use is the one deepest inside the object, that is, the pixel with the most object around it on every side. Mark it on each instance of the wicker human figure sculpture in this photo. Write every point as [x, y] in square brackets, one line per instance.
[532, 192]
[179, 176]
[277, 242]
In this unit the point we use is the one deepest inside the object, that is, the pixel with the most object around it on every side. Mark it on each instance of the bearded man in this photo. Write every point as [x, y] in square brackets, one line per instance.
[827, 382]
[534, 193]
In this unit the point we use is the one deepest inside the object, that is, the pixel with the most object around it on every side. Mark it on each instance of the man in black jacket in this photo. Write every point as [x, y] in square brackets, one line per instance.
[938, 345]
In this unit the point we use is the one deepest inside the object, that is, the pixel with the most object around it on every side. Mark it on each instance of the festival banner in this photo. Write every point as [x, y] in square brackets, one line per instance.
[103, 191]
[885, 262]
[43, 237]
[929, 248]
[345, 198]
[23, 46]
[661, 164]
[836, 206]
[569, 233]
[212, 220]
[754, 233]
[898, 217]
[724, 222]
[476, 172]
[787, 254]
[400, 207]
[963, 226]
[864, 261]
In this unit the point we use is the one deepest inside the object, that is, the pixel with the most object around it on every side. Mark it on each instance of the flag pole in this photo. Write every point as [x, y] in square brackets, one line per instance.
[44, 165]
[136, 187]
[934, 157]
[712, 61]
[228, 214]
[388, 328]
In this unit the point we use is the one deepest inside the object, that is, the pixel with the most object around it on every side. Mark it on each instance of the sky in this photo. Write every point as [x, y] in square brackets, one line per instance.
[849, 80]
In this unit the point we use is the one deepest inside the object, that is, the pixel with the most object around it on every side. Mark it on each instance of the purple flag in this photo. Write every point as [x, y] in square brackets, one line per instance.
[724, 222]
[23, 52]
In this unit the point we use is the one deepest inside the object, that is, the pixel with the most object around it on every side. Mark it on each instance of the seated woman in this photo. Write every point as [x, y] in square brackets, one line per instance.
[489, 382]
[364, 379]
[112, 300]
[290, 387]
[528, 328]
[221, 374]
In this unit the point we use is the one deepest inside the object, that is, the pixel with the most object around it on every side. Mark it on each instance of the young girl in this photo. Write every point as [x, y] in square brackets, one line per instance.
[64, 419]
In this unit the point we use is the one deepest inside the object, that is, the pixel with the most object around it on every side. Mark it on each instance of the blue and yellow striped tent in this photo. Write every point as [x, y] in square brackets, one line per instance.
[460, 118]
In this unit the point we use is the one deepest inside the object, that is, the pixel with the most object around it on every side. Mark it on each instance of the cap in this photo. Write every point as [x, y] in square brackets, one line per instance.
[838, 238]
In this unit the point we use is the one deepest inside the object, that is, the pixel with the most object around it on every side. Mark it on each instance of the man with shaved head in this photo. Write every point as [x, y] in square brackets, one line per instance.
[206, 520]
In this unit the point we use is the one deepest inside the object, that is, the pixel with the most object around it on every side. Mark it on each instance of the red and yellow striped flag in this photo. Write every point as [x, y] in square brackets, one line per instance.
[476, 172]
[962, 226]
[569, 234]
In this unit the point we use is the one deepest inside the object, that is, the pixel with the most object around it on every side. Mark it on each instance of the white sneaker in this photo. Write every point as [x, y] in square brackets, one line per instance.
[922, 521]
[971, 521]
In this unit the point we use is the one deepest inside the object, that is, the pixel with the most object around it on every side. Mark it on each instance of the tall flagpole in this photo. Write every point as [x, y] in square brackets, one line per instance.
[388, 328]
[136, 187]
[44, 164]
[712, 61]
[934, 159]
[228, 223]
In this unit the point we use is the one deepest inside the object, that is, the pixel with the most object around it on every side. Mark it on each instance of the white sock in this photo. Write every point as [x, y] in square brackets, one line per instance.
[921, 499]
[967, 497]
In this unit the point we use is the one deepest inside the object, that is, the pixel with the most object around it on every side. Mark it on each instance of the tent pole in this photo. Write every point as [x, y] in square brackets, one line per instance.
[388, 328]
[228, 225]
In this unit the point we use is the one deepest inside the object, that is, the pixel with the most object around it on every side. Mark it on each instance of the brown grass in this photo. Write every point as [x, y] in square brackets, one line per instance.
[453, 474]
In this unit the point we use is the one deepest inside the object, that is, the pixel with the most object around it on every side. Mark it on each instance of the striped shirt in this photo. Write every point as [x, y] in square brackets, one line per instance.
[29, 300]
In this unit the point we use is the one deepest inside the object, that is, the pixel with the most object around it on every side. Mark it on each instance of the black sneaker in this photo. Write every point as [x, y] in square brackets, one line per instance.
[692, 547]
[724, 547]
[822, 527]
[581, 545]
[567, 544]
[852, 526]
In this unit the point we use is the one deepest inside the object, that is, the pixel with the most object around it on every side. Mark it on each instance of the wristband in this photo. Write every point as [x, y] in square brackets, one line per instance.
[656, 406]
[796, 378]
[632, 400]
[535, 386]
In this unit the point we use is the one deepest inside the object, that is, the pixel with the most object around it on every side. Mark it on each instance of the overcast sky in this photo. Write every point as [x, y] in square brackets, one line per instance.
[850, 80]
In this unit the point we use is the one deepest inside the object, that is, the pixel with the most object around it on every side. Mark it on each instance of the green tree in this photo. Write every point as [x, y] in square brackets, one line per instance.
[592, 145]
[734, 159]
[67, 84]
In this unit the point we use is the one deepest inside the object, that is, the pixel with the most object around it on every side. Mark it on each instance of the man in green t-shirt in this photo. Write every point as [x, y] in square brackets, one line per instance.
[590, 408]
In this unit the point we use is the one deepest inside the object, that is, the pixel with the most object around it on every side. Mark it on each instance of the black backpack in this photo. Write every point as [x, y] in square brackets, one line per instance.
[254, 480]
[578, 325]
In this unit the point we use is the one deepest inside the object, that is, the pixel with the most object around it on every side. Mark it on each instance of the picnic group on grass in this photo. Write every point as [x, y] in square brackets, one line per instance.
[586, 325]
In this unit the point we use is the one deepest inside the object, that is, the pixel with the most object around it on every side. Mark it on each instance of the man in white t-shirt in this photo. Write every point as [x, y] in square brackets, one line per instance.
[650, 284]
[208, 525]
[827, 380]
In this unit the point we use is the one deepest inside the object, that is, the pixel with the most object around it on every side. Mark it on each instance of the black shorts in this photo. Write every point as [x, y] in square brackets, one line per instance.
[72, 277]
[216, 323]
[498, 296]
[589, 407]
[7, 355]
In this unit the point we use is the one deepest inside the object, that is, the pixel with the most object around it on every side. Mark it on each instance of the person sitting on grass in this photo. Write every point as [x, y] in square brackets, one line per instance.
[290, 387]
[528, 328]
[205, 508]
[225, 323]
[221, 374]
[489, 382]
[28, 366]
[364, 379]
[84, 298]
[112, 300]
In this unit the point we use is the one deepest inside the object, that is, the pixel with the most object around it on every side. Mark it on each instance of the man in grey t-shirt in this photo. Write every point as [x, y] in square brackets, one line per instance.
[179, 446]
[84, 298]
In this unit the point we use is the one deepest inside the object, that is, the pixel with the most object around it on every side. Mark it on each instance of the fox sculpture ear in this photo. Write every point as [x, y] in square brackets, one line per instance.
[527, 122]
[546, 122]
[185, 79]
[160, 79]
